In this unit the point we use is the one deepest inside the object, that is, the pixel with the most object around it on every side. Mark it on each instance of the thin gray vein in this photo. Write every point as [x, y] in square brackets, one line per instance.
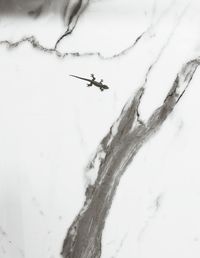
[144, 33]
[155, 208]
[120, 246]
[162, 51]
[74, 13]
[32, 40]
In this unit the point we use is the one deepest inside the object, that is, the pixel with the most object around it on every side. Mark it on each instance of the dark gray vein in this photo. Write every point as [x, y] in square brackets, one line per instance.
[36, 45]
[83, 239]
[76, 12]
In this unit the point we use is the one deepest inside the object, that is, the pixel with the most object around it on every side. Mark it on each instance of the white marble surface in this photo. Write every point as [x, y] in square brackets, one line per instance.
[51, 124]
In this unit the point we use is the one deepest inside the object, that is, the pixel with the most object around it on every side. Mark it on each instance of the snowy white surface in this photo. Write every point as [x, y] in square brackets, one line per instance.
[51, 124]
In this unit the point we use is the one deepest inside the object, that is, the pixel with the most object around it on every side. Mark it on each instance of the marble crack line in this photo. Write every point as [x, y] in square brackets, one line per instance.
[155, 208]
[83, 239]
[117, 251]
[32, 40]
[150, 69]
[77, 10]
[144, 33]
[36, 45]
[130, 47]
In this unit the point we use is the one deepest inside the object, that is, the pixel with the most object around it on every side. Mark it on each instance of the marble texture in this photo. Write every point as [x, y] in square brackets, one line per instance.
[85, 173]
